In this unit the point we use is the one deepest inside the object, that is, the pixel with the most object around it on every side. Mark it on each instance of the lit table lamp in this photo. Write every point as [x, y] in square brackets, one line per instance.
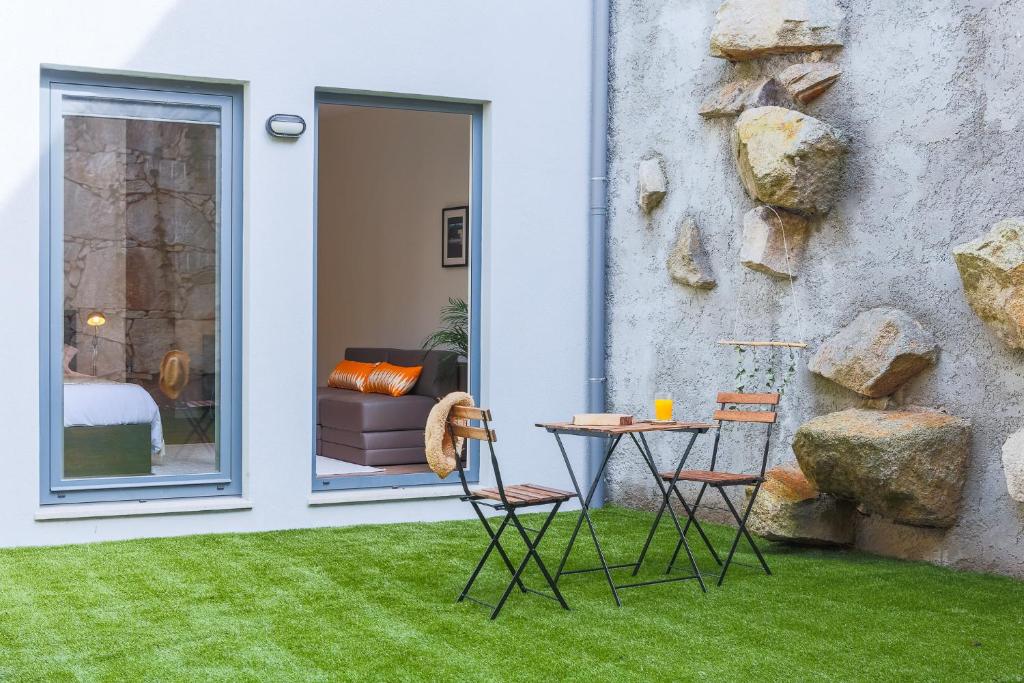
[95, 320]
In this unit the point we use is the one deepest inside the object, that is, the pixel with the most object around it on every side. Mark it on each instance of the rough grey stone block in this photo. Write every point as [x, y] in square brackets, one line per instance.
[1013, 465]
[876, 353]
[651, 183]
[790, 509]
[806, 82]
[788, 159]
[774, 241]
[738, 96]
[688, 262]
[906, 465]
[992, 271]
[748, 29]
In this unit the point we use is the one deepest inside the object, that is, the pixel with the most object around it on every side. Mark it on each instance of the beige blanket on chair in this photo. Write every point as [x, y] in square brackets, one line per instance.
[442, 454]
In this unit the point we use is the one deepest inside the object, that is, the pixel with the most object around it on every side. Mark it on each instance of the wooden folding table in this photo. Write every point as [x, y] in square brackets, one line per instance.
[613, 434]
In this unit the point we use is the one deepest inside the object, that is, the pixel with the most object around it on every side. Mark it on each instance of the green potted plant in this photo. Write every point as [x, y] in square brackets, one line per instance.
[453, 334]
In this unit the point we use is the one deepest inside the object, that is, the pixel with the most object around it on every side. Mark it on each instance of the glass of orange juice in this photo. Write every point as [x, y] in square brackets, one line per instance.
[663, 406]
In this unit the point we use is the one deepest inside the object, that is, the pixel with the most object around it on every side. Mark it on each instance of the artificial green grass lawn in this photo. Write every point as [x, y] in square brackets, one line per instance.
[376, 603]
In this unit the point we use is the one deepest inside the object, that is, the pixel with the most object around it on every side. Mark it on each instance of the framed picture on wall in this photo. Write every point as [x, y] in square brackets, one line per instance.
[455, 236]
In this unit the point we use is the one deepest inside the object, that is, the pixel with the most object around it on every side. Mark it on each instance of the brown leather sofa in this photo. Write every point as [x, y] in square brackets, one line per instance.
[375, 429]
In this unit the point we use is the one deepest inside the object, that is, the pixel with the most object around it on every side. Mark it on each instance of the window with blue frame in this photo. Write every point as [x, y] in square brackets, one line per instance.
[141, 280]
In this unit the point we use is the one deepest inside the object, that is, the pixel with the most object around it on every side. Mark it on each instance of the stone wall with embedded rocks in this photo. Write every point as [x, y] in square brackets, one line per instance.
[928, 107]
[140, 244]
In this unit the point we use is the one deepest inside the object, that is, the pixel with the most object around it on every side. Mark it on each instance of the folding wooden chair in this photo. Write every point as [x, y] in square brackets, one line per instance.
[712, 478]
[508, 499]
[174, 378]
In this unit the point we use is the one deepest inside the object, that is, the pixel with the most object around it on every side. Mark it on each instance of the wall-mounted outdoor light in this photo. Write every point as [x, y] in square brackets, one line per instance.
[286, 125]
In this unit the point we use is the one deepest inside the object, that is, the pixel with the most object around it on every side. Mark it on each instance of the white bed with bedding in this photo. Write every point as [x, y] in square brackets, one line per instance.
[92, 402]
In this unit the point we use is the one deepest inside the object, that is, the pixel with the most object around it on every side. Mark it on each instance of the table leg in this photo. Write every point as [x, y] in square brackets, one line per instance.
[585, 513]
[665, 500]
[645, 452]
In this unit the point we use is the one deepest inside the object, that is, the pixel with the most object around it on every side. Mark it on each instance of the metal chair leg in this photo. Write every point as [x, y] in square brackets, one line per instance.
[746, 531]
[693, 563]
[498, 547]
[530, 552]
[681, 543]
[696, 504]
[483, 560]
[689, 552]
[691, 517]
[740, 532]
[199, 424]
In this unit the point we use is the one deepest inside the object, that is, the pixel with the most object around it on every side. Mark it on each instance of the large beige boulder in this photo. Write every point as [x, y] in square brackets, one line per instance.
[907, 465]
[748, 29]
[773, 241]
[788, 159]
[688, 262]
[651, 183]
[1013, 465]
[992, 271]
[790, 509]
[876, 353]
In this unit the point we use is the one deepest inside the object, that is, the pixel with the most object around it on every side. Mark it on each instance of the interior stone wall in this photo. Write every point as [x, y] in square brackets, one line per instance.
[140, 243]
[95, 243]
[929, 98]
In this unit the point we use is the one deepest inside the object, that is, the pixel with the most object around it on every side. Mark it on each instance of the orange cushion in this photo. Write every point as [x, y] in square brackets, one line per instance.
[393, 380]
[351, 374]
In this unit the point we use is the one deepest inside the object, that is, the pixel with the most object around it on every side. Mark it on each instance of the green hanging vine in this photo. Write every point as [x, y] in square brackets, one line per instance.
[771, 373]
[741, 369]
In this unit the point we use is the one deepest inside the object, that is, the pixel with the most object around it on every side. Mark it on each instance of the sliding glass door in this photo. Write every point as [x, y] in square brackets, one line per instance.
[142, 344]
[398, 282]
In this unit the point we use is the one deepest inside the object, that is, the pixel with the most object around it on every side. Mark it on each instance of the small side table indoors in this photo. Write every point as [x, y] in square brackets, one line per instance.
[614, 434]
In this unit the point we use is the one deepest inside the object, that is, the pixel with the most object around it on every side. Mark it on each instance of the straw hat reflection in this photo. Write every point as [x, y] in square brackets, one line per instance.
[174, 373]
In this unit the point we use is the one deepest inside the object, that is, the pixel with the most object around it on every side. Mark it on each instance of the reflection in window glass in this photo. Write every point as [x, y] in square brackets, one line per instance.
[140, 297]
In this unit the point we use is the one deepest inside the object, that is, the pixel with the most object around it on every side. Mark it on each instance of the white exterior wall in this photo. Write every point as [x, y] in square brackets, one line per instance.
[527, 61]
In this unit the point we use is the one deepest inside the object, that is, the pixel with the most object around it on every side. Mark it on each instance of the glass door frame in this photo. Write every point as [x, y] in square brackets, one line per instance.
[475, 112]
[54, 488]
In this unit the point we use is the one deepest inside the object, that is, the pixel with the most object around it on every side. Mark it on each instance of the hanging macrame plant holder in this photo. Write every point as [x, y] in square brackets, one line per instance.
[760, 366]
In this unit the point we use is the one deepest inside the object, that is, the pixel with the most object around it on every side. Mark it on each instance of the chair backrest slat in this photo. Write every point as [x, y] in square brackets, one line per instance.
[478, 433]
[470, 413]
[766, 416]
[457, 415]
[748, 399]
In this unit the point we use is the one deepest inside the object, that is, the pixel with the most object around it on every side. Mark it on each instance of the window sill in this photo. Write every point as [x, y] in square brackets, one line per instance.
[348, 496]
[134, 508]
